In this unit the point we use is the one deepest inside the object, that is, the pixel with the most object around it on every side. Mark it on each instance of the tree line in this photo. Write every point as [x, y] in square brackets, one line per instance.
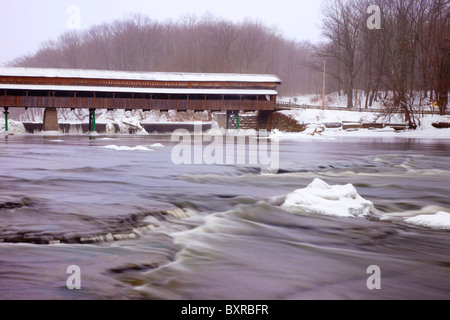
[407, 58]
[207, 45]
[402, 63]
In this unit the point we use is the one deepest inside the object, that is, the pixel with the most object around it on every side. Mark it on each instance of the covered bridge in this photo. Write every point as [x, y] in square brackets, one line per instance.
[97, 89]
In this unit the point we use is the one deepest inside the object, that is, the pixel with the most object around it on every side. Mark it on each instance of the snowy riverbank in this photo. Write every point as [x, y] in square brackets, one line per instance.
[317, 121]
[319, 124]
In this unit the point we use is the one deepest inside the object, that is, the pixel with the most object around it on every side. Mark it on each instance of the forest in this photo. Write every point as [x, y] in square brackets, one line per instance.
[403, 61]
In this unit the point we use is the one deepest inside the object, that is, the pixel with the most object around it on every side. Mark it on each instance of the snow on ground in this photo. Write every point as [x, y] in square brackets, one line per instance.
[332, 100]
[312, 116]
[317, 119]
[122, 118]
[14, 127]
[340, 101]
[119, 116]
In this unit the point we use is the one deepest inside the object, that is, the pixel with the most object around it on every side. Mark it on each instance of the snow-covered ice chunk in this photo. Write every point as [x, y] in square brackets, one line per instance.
[125, 148]
[157, 145]
[321, 198]
[439, 220]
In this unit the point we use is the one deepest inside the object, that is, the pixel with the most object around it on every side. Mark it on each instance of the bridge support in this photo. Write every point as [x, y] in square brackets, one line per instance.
[92, 125]
[6, 118]
[265, 120]
[51, 119]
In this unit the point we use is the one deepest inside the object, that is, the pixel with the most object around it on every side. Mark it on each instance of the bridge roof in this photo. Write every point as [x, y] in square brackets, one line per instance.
[174, 91]
[127, 75]
[27, 87]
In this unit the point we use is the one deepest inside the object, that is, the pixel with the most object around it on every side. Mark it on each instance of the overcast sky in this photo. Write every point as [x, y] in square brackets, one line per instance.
[25, 24]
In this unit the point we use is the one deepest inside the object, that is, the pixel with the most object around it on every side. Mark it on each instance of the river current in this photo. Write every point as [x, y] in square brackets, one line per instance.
[140, 227]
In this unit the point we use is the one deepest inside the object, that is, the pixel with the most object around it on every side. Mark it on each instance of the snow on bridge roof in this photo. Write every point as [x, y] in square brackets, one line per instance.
[127, 75]
[138, 90]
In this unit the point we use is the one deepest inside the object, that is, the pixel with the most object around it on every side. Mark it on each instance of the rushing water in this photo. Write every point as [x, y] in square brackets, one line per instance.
[140, 227]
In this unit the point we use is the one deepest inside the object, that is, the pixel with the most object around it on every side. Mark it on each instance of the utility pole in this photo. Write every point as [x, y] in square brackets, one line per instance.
[323, 94]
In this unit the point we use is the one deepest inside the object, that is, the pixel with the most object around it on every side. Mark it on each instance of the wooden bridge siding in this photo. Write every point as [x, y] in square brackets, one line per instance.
[136, 83]
[127, 103]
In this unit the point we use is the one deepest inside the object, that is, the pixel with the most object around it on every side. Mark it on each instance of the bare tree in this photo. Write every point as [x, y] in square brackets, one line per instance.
[70, 45]
[191, 44]
[343, 27]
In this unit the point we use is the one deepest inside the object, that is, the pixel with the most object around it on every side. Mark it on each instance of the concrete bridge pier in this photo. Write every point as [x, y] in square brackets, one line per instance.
[265, 120]
[51, 119]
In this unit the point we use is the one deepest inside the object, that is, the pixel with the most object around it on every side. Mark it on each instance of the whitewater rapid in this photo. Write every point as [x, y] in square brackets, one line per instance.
[140, 227]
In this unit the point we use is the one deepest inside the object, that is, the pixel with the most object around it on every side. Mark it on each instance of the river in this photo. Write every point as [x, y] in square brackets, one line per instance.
[140, 227]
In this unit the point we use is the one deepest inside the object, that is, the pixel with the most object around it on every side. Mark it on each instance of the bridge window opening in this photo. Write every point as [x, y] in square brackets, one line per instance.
[19, 93]
[85, 94]
[64, 94]
[161, 96]
[141, 96]
[179, 97]
[213, 97]
[103, 95]
[38, 93]
[123, 95]
[232, 97]
[197, 97]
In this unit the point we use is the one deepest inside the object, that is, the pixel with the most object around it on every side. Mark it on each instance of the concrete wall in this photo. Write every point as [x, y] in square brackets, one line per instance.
[51, 119]
[262, 120]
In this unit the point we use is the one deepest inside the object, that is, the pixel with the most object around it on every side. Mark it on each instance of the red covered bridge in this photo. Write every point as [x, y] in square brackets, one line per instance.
[96, 89]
